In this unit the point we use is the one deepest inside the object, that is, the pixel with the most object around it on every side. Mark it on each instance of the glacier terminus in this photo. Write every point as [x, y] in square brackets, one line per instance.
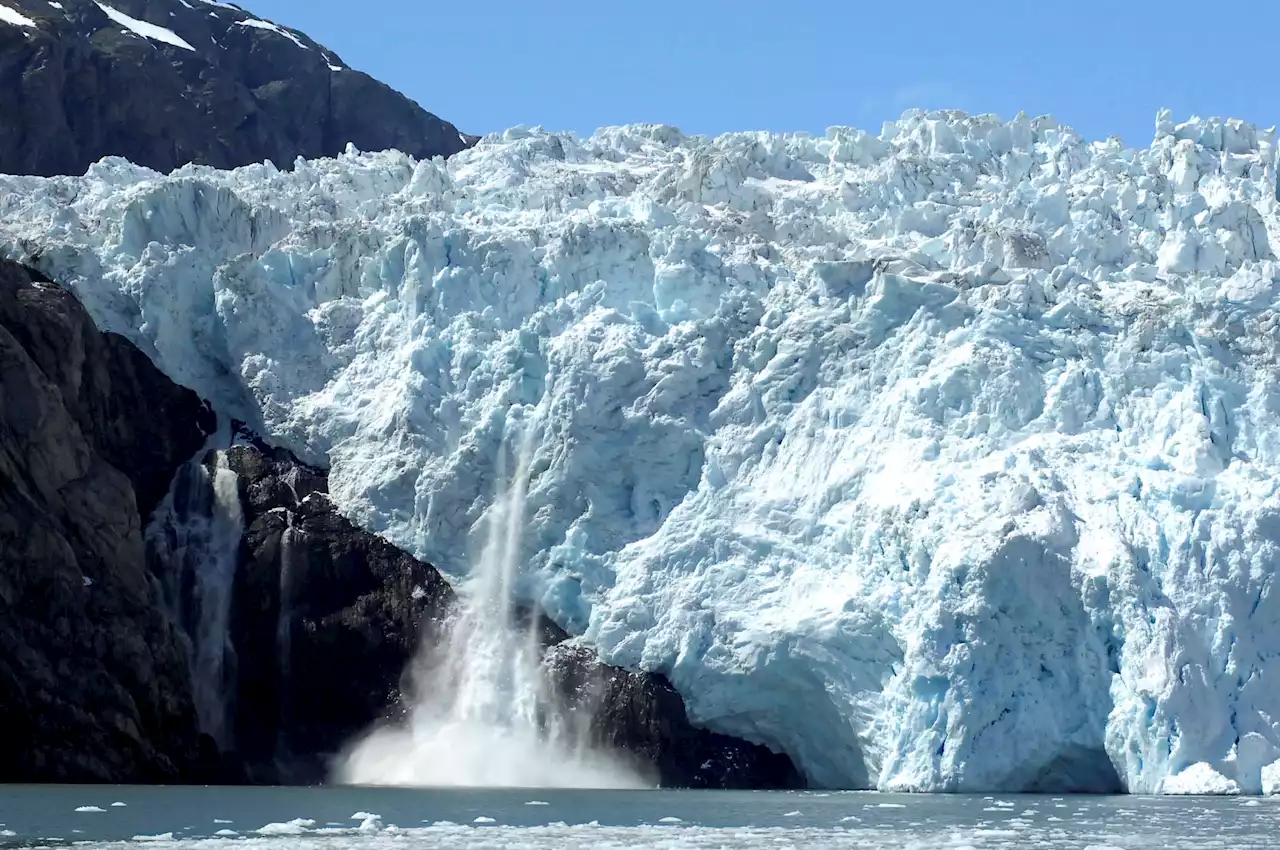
[943, 459]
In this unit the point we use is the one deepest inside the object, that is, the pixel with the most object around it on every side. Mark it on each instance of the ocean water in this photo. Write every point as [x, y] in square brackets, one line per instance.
[298, 818]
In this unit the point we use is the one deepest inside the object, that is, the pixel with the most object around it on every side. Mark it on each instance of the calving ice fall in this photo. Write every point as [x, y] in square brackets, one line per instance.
[943, 459]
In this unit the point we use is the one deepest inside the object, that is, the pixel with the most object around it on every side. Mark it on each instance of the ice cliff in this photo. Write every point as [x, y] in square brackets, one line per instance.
[944, 459]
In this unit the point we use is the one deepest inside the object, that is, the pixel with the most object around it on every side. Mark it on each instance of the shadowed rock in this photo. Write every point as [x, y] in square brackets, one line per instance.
[93, 678]
[80, 86]
[643, 715]
[325, 619]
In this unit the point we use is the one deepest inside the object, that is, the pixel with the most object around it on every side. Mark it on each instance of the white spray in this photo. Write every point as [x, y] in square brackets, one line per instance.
[483, 713]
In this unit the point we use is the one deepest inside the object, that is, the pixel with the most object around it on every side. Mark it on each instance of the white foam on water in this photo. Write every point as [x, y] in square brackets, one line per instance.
[595, 837]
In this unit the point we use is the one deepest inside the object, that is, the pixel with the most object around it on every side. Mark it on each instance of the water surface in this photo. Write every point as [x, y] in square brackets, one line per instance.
[303, 818]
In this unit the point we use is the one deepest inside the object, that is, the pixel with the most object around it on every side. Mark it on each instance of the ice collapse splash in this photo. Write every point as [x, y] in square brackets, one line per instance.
[483, 714]
[944, 459]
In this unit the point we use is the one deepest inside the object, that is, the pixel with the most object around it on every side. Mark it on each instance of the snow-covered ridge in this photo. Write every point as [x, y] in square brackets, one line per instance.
[944, 459]
[176, 24]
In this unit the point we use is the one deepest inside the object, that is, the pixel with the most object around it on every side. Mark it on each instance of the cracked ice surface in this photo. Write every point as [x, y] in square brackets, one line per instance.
[945, 459]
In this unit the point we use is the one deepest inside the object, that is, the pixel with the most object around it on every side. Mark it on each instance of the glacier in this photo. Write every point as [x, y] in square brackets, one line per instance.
[944, 459]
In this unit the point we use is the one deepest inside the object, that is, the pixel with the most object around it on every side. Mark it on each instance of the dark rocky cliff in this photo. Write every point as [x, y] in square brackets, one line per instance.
[324, 621]
[221, 88]
[93, 677]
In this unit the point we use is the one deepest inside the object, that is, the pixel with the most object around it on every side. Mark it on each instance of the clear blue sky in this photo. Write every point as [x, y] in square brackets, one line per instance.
[708, 66]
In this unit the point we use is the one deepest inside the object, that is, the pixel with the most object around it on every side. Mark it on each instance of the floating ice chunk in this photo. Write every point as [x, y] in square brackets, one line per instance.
[90, 809]
[369, 822]
[118, 805]
[483, 819]
[670, 819]
[297, 826]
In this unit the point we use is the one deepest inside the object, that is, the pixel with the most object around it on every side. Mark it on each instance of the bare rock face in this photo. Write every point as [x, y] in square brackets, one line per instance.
[214, 85]
[325, 620]
[643, 715]
[93, 676]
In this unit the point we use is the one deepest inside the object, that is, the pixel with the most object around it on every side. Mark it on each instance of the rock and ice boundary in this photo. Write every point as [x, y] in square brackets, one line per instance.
[946, 459]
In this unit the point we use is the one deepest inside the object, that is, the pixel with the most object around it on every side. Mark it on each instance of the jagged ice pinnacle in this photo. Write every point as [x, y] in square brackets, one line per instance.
[944, 459]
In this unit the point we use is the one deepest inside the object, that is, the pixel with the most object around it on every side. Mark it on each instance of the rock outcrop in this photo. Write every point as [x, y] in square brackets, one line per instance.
[643, 715]
[165, 82]
[93, 676]
[325, 619]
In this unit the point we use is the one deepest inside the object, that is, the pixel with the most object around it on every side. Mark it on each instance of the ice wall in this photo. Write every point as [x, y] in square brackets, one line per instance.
[944, 459]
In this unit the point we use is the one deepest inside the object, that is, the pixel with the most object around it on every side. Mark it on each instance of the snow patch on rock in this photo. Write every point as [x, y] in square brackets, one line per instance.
[254, 23]
[15, 18]
[144, 29]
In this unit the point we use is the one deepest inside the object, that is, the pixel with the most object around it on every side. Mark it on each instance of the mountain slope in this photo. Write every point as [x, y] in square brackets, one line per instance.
[957, 443]
[167, 82]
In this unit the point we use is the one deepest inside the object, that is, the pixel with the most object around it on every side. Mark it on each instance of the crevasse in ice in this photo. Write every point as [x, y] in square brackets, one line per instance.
[944, 459]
